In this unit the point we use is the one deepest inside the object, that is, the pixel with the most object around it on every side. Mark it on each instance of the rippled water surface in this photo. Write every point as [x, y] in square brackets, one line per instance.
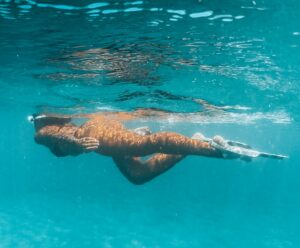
[241, 57]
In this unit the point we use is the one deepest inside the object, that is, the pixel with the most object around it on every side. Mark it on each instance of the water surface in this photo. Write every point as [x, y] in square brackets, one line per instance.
[79, 57]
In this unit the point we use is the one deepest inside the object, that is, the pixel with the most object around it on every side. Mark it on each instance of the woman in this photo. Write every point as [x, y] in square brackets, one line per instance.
[105, 134]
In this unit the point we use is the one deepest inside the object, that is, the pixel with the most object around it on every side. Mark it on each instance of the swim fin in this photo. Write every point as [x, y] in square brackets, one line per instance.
[235, 149]
[241, 150]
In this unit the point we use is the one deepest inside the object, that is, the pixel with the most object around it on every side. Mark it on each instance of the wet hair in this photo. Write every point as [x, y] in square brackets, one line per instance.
[41, 120]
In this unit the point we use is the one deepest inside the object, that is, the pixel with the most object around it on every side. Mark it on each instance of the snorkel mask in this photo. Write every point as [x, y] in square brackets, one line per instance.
[41, 120]
[32, 118]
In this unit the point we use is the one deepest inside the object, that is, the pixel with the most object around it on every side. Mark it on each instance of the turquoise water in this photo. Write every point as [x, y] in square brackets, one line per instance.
[84, 56]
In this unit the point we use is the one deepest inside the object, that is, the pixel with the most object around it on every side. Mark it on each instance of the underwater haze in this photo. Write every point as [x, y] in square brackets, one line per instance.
[84, 56]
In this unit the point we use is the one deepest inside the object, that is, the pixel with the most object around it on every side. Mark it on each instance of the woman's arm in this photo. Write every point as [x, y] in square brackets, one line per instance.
[62, 142]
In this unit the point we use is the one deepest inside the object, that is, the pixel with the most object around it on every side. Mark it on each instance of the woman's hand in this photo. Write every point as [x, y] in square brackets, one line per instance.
[88, 144]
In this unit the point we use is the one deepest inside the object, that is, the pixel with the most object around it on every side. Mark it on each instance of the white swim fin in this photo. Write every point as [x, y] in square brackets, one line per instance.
[235, 149]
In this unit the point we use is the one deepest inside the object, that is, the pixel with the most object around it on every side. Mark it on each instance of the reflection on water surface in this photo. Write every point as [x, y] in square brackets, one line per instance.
[88, 55]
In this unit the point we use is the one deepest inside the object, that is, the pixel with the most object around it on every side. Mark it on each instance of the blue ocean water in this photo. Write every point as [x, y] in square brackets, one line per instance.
[84, 56]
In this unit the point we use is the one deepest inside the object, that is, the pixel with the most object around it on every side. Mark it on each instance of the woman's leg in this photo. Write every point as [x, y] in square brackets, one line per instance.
[130, 144]
[115, 140]
[139, 172]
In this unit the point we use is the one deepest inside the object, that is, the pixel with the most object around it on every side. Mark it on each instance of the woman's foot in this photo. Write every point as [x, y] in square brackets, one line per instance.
[142, 131]
[201, 137]
[220, 140]
[198, 136]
